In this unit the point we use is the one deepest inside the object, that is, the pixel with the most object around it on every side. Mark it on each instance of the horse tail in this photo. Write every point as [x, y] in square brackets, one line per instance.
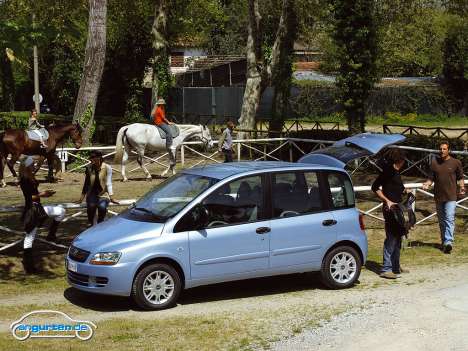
[118, 145]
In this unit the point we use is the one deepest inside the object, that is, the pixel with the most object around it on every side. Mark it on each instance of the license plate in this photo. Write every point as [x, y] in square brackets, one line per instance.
[72, 266]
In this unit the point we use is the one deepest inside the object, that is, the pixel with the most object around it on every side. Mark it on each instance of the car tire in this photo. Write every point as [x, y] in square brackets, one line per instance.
[341, 267]
[156, 287]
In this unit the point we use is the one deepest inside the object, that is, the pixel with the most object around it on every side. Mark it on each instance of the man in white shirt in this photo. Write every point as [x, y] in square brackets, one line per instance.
[225, 143]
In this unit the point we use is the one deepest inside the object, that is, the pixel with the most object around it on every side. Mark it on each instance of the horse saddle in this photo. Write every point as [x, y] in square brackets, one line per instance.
[36, 133]
[174, 131]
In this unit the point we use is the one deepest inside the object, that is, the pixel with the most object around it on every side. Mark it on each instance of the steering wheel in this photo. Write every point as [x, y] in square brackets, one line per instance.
[217, 223]
[288, 213]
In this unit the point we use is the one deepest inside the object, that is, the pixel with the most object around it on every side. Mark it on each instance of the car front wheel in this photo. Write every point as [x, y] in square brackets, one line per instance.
[156, 287]
[341, 267]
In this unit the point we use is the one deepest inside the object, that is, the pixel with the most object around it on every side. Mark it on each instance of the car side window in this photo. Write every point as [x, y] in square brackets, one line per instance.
[295, 193]
[240, 201]
[341, 190]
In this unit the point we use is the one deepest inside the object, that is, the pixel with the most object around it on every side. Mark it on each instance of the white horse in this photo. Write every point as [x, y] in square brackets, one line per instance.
[139, 136]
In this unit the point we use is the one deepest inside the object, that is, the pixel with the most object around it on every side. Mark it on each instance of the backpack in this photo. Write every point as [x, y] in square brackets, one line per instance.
[404, 215]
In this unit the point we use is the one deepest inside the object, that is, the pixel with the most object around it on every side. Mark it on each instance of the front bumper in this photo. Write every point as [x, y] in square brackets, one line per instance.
[108, 280]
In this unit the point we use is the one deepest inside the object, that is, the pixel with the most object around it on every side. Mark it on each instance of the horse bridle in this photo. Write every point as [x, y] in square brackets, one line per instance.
[203, 138]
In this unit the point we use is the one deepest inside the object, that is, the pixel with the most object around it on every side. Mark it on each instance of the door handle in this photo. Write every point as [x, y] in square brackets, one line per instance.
[263, 230]
[329, 222]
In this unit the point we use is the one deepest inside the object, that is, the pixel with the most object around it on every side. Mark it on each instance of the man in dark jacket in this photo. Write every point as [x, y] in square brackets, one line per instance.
[33, 211]
[389, 188]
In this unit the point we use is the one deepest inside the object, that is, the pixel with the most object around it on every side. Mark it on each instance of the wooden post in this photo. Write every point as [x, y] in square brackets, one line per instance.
[290, 152]
[182, 155]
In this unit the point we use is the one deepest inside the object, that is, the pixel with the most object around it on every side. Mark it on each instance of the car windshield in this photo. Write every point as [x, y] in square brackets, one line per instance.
[172, 195]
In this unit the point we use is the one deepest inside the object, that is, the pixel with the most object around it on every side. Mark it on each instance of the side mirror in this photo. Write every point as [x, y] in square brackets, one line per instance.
[200, 216]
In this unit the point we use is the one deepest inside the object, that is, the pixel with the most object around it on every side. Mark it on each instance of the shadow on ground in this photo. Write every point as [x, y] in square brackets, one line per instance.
[418, 243]
[209, 293]
[374, 267]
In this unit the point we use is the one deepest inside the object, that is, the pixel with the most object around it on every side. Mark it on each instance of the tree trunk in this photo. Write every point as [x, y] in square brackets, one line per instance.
[95, 55]
[8, 83]
[161, 70]
[282, 69]
[252, 94]
[259, 73]
[253, 87]
[353, 119]
[464, 110]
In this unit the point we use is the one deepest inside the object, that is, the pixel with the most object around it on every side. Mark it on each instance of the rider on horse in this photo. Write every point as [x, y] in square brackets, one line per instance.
[35, 127]
[159, 118]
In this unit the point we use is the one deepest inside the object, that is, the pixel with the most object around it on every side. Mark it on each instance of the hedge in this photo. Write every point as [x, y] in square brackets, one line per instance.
[320, 99]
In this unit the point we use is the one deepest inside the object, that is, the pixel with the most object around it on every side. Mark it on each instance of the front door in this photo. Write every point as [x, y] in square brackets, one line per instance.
[236, 239]
[301, 228]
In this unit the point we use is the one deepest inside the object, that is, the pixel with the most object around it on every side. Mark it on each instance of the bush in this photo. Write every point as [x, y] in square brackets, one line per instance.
[19, 119]
[320, 99]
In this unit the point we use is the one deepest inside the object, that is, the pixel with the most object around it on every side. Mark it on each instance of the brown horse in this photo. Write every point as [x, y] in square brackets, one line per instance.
[15, 142]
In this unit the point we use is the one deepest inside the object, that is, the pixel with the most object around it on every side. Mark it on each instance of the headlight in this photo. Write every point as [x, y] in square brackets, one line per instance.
[105, 258]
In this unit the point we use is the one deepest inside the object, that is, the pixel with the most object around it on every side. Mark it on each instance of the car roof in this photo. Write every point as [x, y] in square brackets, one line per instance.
[224, 170]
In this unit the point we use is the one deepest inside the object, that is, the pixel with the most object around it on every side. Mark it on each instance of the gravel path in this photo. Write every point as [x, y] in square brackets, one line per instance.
[432, 315]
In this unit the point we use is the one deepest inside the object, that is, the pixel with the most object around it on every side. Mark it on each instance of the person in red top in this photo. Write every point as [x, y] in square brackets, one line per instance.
[159, 118]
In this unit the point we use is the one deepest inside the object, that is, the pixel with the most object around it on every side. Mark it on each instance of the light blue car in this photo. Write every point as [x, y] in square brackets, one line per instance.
[228, 222]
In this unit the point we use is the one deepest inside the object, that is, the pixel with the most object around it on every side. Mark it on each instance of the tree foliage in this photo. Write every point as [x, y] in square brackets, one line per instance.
[456, 63]
[355, 37]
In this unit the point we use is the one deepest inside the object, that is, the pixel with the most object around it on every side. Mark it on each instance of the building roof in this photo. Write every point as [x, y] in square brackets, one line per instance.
[213, 61]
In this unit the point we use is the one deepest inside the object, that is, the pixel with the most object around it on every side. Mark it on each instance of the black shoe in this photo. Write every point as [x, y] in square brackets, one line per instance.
[448, 248]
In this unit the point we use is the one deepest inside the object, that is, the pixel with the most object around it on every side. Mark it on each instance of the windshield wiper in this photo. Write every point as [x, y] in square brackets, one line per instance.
[145, 210]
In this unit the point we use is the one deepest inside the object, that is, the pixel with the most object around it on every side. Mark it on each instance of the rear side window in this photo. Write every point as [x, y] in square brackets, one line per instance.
[341, 190]
[295, 193]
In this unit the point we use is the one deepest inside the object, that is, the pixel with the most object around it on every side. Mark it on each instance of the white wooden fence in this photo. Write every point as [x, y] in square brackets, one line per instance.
[415, 187]
[257, 145]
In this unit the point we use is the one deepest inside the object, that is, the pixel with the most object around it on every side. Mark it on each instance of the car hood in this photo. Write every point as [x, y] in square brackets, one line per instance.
[348, 149]
[113, 233]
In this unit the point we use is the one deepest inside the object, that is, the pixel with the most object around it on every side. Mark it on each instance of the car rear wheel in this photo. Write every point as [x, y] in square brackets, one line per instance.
[341, 267]
[156, 287]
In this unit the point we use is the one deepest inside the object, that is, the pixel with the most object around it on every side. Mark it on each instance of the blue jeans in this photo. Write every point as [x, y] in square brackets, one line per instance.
[93, 202]
[391, 252]
[168, 132]
[446, 214]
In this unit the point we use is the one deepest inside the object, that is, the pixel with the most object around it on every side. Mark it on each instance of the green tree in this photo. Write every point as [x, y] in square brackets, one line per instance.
[410, 37]
[263, 60]
[455, 71]
[179, 20]
[355, 37]
[282, 73]
[14, 40]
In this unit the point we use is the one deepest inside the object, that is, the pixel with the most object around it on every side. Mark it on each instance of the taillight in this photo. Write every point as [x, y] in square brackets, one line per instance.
[361, 222]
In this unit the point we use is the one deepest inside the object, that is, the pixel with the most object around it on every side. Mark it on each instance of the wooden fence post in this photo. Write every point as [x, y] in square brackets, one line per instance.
[182, 155]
